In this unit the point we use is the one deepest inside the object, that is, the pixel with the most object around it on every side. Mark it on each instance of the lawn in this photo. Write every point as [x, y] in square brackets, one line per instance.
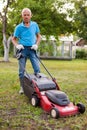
[16, 113]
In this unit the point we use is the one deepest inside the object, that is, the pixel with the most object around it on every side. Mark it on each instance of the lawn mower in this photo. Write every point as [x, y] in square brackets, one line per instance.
[45, 92]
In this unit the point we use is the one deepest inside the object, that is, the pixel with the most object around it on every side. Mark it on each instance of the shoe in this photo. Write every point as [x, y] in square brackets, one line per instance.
[38, 75]
[21, 91]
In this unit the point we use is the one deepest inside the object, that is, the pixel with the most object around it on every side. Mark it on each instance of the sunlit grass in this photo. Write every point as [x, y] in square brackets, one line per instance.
[17, 113]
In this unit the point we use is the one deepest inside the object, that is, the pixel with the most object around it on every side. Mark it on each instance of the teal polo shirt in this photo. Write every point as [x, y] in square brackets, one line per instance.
[26, 35]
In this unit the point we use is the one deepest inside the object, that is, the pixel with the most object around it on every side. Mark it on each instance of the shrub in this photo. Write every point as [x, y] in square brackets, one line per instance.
[81, 54]
[1, 50]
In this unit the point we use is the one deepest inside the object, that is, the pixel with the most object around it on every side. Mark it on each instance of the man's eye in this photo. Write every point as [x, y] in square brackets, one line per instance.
[27, 15]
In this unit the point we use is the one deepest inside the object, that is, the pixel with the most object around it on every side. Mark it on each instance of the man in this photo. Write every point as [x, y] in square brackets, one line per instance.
[26, 39]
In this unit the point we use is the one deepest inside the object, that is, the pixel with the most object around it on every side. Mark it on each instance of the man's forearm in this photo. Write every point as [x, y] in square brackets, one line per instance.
[14, 41]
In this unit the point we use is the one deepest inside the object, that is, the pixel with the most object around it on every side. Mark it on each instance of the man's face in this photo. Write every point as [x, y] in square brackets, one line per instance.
[26, 16]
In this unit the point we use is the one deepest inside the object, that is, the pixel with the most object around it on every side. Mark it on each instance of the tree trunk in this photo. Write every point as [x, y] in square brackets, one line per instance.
[4, 31]
[6, 44]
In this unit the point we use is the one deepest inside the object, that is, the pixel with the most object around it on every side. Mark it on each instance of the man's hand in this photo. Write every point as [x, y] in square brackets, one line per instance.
[19, 47]
[34, 47]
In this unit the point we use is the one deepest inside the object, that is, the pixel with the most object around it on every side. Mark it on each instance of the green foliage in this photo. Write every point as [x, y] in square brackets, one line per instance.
[1, 38]
[51, 22]
[80, 18]
[1, 50]
[81, 54]
[48, 48]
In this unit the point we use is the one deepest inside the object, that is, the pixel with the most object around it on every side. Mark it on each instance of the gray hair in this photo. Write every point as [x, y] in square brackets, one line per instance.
[26, 9]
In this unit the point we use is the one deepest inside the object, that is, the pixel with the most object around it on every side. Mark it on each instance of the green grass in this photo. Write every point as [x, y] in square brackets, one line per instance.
[16, 113]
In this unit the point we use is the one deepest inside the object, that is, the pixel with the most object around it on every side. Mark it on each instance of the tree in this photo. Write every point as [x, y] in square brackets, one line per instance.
[51, 21]
[6, 38]
[80, 18]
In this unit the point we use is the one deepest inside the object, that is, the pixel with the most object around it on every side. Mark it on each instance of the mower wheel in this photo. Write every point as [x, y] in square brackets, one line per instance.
[54, 113]
[81, 107]
[35, 101]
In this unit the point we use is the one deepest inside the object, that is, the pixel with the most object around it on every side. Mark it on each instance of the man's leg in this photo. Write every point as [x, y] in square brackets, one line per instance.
[21, 91]
[22, 63]
[34, 61]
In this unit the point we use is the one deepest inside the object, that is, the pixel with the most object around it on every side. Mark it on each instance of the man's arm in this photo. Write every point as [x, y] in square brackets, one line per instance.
[15, 42]
[35, 46]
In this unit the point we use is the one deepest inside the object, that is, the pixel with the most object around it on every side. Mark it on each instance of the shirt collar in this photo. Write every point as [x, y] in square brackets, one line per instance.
[24, 25]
